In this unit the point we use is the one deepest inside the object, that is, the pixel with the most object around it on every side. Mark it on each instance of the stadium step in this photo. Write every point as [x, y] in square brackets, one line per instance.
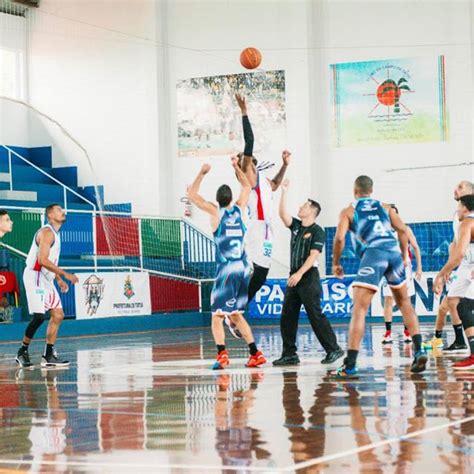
[27, 205]
[50, 192]
[21, 196]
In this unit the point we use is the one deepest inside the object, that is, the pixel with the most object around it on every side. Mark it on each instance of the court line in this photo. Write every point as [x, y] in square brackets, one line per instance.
[378, 444]
[134, 466]
[294, 467]
[452, 448]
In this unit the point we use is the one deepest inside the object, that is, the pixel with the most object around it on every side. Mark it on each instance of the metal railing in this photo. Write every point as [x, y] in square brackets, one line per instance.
[65, 188]
[196, 251]
[188, 255]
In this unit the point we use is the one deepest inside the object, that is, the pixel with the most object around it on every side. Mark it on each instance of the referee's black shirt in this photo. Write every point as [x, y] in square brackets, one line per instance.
[303, 240]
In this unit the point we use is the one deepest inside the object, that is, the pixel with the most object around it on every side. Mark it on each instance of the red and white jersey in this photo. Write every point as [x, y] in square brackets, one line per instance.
[259, 236]
[54, 252]
[260, 203]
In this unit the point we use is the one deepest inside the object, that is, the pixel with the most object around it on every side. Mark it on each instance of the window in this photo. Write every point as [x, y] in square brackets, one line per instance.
[11, 73]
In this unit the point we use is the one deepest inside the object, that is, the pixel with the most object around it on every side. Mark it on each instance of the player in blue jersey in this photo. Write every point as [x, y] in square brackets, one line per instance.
[376, 226]
[230, 291]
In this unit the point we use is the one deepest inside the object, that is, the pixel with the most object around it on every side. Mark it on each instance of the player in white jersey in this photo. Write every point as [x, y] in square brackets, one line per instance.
[259, 239]
[42, 296]
[387, 292]
[450, 303]
[462, 255]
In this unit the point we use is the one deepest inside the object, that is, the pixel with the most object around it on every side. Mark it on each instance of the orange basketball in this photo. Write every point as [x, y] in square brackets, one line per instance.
[250, 58]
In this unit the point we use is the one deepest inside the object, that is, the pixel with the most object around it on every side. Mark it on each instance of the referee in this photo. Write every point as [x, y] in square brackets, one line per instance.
[304, 288]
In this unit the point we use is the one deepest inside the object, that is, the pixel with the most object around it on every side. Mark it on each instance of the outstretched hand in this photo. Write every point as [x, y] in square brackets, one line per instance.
[285, 185]
[205, 168]
[286, 156]
[234, 160]
[242, 102]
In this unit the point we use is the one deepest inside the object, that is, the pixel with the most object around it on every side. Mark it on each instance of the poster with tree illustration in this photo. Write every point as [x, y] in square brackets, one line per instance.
[389, 101]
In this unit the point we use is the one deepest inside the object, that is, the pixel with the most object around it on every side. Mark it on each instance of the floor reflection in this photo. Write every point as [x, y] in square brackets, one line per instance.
[152, 399]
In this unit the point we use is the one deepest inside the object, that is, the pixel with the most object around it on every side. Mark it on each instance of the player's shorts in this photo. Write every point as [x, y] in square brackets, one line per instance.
[41, 293]
[410, 279]
[230, 291]
[461, 283]
[259, 243]
[377, 263]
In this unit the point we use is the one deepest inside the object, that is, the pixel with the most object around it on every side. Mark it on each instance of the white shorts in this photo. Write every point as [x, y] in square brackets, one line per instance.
[41, 293]
[259, 243]
[461, 284]
[410, 279]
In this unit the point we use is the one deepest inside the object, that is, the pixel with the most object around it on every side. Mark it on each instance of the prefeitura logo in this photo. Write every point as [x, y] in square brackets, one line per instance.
[128, 288]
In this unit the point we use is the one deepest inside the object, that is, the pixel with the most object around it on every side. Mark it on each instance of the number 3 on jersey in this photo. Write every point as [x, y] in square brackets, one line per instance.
[236, 248]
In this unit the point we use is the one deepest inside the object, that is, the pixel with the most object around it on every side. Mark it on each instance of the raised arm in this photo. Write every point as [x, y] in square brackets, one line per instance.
[248, 133]
[416, 248]
[246, 189]
[340, 242]
[284, 215]
[199, 201]
[247, 164]
[277, 180]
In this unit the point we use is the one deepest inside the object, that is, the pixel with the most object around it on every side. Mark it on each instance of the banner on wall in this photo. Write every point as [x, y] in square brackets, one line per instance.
[425, 302]
[336, 298]
[108, 294]
[389, 101]
[209, 122]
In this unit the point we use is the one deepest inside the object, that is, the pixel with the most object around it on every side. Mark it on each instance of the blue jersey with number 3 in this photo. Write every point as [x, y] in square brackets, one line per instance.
[229, 236]
[372, 226]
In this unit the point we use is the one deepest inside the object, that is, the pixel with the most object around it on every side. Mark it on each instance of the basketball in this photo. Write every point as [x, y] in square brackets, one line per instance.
[250, 58]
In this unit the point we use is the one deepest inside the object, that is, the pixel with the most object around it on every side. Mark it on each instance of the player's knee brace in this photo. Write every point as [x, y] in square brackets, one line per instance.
[466, 312]
[35, 323]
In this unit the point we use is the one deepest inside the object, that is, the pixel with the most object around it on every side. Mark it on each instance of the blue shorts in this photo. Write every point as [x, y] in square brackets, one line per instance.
[230, 291]
[377, 263]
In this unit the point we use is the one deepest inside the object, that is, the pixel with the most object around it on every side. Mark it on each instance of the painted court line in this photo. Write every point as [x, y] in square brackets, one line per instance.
[378, 444]
[294, 467]
[129, 467]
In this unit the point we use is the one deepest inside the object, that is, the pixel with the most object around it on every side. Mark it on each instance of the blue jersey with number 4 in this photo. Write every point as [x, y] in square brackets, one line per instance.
[229, 236]
[372, 226]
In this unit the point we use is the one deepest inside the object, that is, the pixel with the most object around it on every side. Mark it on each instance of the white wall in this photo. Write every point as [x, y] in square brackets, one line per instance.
[304, 38]
[108, 70]
[279, 29]
[90, 70]
[13, 119]
[358, 31]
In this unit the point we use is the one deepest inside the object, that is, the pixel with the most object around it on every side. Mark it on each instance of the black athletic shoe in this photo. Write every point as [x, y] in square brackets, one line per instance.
[332, 356]
[455, 347]
[53, 361]
[419, 362]
[287, 360]
[23, 360]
